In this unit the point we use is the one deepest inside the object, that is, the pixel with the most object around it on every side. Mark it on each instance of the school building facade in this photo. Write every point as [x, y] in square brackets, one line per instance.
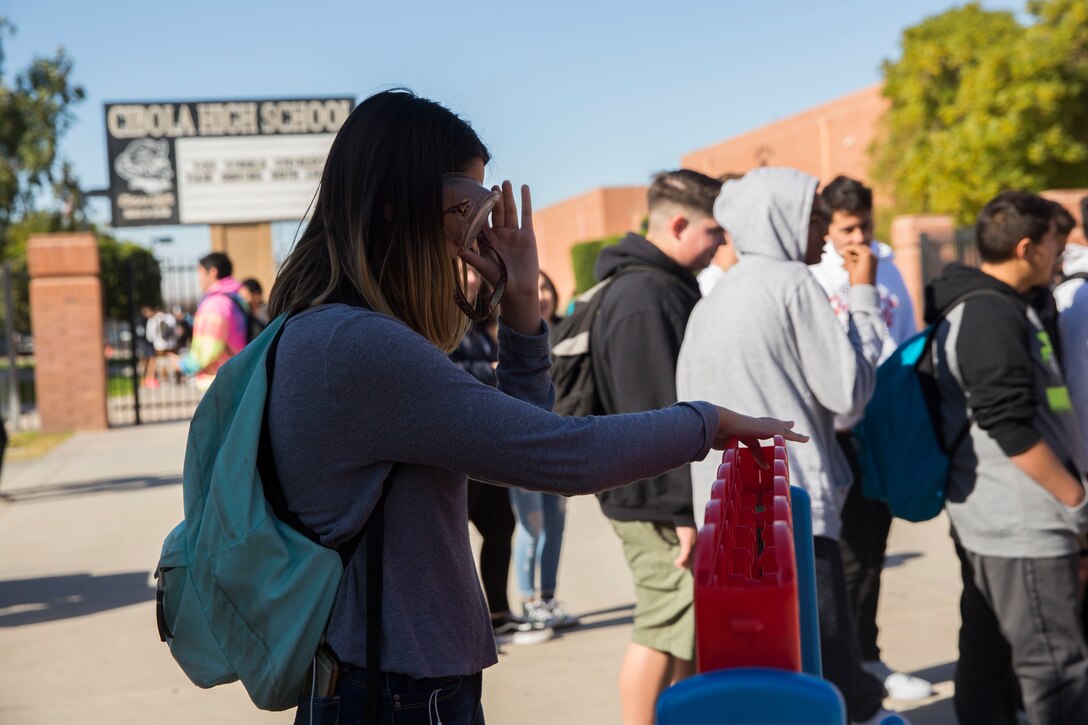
[825, 141]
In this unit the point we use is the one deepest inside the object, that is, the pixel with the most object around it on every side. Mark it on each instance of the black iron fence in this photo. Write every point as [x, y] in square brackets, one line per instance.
[940, 250]
[144, 382]
[18, 402]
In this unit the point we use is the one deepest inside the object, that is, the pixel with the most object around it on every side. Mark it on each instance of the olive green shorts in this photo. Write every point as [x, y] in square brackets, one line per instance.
[664, 606]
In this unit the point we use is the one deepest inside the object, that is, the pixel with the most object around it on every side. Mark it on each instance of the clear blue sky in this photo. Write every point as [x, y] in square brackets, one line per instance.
[568, 95]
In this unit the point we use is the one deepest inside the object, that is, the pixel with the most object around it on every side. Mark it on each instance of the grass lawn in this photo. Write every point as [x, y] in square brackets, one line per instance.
[119, 386]
[28, 444]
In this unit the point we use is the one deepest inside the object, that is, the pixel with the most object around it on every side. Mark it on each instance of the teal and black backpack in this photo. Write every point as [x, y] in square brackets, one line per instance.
[245, 590]
[900, 442]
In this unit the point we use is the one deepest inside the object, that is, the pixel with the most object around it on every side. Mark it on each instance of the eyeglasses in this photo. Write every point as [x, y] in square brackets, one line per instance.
[466, 205]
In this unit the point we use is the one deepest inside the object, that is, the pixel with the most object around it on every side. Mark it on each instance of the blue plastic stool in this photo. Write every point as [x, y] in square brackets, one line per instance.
[751, 697]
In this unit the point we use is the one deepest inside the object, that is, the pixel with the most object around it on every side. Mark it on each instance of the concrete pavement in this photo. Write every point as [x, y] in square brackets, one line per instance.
[81, 531]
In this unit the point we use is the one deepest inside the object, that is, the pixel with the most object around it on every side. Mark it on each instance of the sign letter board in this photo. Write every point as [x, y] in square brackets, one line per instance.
[218, 162]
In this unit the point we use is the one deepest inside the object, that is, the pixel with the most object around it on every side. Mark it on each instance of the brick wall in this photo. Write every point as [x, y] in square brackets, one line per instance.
[593, 215]
[66, 321]
[824, 141]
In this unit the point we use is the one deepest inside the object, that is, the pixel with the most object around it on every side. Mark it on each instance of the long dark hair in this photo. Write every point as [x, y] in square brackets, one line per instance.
[376, 235]
[555, 296]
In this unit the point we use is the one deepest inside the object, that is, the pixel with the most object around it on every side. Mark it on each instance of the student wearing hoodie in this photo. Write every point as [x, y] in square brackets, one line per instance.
[634, 344]
[770, 336]
[865, 523]
[219, 326]
[1016, 495]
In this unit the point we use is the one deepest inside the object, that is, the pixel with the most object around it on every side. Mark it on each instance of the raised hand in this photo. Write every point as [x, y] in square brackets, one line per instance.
[860, 263]
[515, 241]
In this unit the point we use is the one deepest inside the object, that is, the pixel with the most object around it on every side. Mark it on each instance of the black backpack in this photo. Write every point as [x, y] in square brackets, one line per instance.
[572, 363]
[254, 327]
[166, 330]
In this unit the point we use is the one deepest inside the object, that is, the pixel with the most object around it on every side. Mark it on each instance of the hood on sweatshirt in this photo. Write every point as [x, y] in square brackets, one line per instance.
[1075, 259]
[767, 212]
[957, 279]
[636, 249]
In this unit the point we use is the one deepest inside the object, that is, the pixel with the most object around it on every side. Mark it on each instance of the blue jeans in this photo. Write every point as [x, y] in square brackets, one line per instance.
[541, 520]
[403, 701]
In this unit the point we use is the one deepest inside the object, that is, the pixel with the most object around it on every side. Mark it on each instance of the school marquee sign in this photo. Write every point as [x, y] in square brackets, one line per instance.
[218, 162]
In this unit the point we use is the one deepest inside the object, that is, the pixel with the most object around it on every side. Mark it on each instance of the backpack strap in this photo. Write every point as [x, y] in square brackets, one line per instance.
[375, 548]
[373, 532]
[926, 366]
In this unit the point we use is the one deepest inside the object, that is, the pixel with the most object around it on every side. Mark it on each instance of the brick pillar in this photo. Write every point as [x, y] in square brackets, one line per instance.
[66, 321]
[906, 240]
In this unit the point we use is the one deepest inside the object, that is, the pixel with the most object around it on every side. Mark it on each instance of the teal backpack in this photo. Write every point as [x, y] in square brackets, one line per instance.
[244, 589]
[900, 443]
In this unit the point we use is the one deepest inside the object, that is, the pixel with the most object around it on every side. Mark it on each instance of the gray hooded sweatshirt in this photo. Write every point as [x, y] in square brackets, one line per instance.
[766, 341]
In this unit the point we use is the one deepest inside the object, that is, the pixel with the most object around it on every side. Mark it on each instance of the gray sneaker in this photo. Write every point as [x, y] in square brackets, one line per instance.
[537, 614]
[560, 618]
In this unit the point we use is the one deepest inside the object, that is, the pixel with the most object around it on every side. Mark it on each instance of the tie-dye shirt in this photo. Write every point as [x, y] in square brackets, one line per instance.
[219, 332]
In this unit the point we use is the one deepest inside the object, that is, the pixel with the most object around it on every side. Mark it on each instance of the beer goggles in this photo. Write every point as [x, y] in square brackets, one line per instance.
[466, 205]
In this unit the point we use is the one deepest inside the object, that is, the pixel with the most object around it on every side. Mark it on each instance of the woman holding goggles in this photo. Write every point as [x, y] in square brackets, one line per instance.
[364, 399]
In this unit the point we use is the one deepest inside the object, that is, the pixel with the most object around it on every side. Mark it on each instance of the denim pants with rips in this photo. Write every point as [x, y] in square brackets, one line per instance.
[542, 517]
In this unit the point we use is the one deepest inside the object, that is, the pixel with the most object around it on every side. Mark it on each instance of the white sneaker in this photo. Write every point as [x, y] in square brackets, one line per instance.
[885, 717]
[521, 633]
[900, 685]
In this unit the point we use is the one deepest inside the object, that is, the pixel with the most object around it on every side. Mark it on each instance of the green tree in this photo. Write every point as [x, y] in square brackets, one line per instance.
[35, 111]
[981, 103]
[113, 254]
[583, 258]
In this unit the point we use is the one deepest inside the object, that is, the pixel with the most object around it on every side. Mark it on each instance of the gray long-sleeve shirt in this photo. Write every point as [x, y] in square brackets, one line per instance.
[355, 392]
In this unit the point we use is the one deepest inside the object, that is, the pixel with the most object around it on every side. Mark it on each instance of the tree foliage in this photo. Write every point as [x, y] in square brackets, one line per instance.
[982, 103]
[114, 256]
[35, 111]
[583, 258]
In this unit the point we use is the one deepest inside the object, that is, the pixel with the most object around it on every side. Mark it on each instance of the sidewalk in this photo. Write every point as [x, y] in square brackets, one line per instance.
[81, 532]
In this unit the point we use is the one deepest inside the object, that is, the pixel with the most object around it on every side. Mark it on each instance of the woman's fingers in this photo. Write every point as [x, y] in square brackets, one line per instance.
[510, 208]
[796, 437]
[498, 212]
[752, 444]
[526, 208]
[487, 267]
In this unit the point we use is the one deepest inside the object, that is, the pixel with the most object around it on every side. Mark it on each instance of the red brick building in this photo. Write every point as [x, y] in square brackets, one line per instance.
[825, 141]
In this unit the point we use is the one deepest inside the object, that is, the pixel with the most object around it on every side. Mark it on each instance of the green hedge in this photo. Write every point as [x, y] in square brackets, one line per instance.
[583, 257]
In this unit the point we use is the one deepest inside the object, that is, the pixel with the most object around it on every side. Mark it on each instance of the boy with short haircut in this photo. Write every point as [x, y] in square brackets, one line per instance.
[768, 339]
[1016, 493]
[865, 523]
[634, 343]
[219, 326]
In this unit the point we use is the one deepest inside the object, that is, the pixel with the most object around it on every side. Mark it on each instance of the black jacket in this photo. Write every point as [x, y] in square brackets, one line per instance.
[477, 354]
[994, 355]
[635, 342]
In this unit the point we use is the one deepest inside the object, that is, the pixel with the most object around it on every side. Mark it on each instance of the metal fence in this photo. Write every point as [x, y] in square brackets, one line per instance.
[940, 250]
[143, 382]
[18, 402]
